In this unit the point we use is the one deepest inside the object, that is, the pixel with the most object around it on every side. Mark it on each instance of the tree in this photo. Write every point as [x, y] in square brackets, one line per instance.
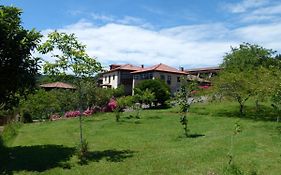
[247, 57]
[73, 59]
[40, 104]
[160, 89]
[276, 101]
[248, 71]
[185, 98]
[18, 67]
[237, 86]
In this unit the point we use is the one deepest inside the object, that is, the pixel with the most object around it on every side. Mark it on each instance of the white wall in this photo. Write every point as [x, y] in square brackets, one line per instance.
[113, 82]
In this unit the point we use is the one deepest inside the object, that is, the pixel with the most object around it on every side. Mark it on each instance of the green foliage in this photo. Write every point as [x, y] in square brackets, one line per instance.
[146, 96]
[247, 57]
[10, 131]
[185, 98]
[249, 71]
[73, 57]
[41, 104]
[159, 88]
[276, 101]
[122, 103]
[16, 60]
[82, 152]
[237, 86]
[26, 117]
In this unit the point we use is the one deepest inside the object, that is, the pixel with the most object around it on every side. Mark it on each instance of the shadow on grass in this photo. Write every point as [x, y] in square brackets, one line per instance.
[110, 155]
[264, 114]
[194, 136]
[154, 117]
[33, 158]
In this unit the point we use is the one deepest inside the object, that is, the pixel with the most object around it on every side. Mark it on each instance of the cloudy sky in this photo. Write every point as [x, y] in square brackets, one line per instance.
[189, 33]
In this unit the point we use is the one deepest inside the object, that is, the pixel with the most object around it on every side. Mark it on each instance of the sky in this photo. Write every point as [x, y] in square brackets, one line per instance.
[187, 33]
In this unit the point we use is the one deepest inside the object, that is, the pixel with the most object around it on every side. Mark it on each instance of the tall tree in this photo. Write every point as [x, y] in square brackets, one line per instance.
[72, 60]
[247, 57]
[18, 67]
[237, 86]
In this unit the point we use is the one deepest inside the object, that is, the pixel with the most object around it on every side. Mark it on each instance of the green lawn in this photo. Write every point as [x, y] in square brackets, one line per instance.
[154, 144]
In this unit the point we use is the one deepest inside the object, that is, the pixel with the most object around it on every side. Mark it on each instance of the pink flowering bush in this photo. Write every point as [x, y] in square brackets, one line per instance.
[112, 105]
[54, 117]
[71, 114]
[88, 112]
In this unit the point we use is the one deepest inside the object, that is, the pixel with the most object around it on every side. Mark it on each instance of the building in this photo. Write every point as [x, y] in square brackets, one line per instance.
[120, 75]
[205, 73]
[160, 71]
[129, 76]
[57, 85]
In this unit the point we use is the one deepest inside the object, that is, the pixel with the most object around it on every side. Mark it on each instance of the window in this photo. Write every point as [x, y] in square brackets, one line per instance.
[162, 77]
[169, 78]
[150, 75]
[105, 78]
[109, 78]
[136, 77]
[113, 77]
[178, 79]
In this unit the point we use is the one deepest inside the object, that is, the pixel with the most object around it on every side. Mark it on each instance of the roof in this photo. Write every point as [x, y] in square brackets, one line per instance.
[58, 85]
[161, 68]
[129, 67]
[203, 69]
[195, 78]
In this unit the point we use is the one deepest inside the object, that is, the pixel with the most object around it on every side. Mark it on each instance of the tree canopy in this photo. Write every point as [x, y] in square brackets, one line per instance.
[73, 57]
[159, 88]
[18, 67]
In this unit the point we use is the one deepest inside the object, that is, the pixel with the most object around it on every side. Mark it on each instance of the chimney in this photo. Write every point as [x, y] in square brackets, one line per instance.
[142, 66]
[181, 68]
[114, 66]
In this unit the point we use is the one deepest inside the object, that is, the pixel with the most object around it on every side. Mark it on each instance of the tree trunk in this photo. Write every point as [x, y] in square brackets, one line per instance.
[241, 109]
[257, 105]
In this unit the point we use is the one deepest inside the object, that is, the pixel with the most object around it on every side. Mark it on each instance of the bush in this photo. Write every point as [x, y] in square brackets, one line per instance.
[26, 117]
[82, 152]
[10, 131]
[159, 88]
[41, 104]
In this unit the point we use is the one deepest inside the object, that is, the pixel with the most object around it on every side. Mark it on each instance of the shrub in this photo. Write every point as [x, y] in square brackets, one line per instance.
[82, 152]
[10, 131]
[26, 117]
[159, 88]
[71, 114]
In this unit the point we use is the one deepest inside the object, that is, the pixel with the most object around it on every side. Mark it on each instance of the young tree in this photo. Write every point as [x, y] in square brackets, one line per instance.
[237, 86]
[185, 99]
[73, 59]
[18, 67]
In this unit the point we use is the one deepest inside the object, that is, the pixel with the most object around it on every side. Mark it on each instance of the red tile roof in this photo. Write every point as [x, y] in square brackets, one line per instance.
[126, 67]
[203, 69]
[58, 85]
[161, 68]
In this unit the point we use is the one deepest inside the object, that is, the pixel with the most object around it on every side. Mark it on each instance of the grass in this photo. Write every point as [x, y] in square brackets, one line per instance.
[154, 144]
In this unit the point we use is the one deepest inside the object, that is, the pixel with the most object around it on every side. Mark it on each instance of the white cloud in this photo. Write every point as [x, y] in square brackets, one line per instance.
[188, 46]
[244, 5]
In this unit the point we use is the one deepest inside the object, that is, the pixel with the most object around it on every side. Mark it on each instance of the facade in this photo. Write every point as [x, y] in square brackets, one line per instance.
[205, 73]
[160, 71]
[129, 76]
[120, 75]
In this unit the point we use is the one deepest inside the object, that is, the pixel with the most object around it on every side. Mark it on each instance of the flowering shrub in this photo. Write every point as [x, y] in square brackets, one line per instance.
[88, 112]
[71, 114]
[54, 117]
[112, 105]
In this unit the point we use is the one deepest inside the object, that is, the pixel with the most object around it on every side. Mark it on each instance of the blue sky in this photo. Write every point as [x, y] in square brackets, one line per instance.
[189, 33]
